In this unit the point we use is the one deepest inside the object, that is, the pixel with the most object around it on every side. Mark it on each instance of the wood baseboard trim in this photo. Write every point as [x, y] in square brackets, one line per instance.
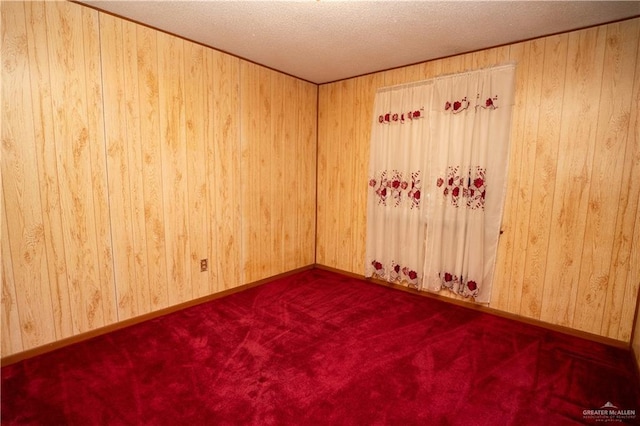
[49, 347]
[12, 359]
[470, 305]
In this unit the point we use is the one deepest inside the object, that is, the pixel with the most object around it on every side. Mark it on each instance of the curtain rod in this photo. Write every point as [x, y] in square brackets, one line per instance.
[509, 64]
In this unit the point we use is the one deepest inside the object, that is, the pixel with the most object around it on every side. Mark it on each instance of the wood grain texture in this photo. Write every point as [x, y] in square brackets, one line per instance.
[292, 185]
[198, 136]
[95, 126]
[606, 181]
[153, 200]
[573, 180]
[278, 148]
[527, 138]
[566, 253]
[118, 167]
[47, 167]
[260, 175]
[250, 168]
[80, 169]
[224, 170]
[544, 174]
[622, 56]
[625, 271]
[503, 296]
[174, 166]
[129, 154]
[132, 95]
[307, 172]
[324, 205]
[10, 321]
[25, 269]
[345, 174]
[278, 193]
[123, 166]
[366, 89]
[328, 179]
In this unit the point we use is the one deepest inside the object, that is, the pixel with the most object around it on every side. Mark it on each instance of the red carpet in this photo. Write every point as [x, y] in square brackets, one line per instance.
[322, 349]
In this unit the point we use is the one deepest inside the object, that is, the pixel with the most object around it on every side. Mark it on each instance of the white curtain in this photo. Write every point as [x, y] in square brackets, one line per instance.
[437, 181]
[395, 219]
[468, 155]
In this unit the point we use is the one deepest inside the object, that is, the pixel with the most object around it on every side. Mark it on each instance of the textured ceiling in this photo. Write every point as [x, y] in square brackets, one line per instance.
[323, 40]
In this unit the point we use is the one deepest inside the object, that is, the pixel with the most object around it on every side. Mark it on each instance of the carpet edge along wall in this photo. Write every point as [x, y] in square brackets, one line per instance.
[40, 350]
[322, 348]
[128, 156]
[63, 275]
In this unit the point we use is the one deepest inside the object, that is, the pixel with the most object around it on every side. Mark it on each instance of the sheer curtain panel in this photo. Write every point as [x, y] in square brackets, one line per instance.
[437, 181]
[395, 220]
[470, 119]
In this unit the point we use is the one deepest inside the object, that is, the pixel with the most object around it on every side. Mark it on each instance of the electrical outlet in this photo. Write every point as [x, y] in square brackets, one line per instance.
[204, 265]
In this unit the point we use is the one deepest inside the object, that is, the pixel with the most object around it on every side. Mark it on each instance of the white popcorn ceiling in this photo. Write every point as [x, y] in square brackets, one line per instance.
[323, 40]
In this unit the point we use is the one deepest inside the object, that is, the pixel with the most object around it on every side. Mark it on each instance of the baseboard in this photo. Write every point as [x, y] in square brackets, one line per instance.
[12, 359]
[470, 305]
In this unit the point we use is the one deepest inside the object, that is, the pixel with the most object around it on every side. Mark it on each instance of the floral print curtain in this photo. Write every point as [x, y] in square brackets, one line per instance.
[395, 219]
[470, 118]
[437, 181]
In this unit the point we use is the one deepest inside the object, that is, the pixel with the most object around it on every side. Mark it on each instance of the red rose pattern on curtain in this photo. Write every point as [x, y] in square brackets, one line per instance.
[470, 119]
[469, 190]
[453, 282]
[391, 187]
[437, 179]
[395, 274]
[400, 117]
[395, 222]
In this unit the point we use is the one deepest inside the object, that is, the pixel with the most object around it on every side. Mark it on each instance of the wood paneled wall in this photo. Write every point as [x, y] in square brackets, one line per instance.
[278, 170]
[127, 156]
[570, 252]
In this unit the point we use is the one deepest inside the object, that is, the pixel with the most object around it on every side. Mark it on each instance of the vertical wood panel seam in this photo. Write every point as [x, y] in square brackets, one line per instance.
[64, 255]
[242, 231]
[636, 315]
[131, 170]
[521, 133]
[317, 145]
[237, 206]
[108, 195]
[187, 202]
[4, 270]
[92, 168]
[611, 268]
[627, 146]
[45, 16]
[38, 167]
[555, 183]
[535, 162]
[589, 168]
[160, 171]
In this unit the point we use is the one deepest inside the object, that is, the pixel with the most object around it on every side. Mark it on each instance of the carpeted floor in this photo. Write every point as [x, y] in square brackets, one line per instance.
[319, 348]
